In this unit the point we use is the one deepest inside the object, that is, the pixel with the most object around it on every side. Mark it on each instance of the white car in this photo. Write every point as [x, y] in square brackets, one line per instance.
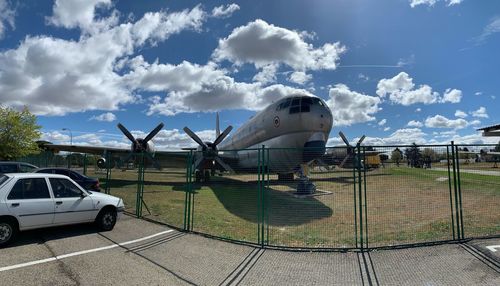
[36, 200]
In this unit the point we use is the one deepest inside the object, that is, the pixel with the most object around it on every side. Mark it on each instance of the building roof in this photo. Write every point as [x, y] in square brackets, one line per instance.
[490, 128]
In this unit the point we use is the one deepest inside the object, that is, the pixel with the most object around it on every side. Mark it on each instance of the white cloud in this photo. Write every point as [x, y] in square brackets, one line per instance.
[418, 109]
[439, 121]
[300, 77]
[261, 44]
[55, 76]
[414, 3]
[399, 137]
[225, 11]
[401, 90]
[490, 29]
[382, 122]
[460, 114]
[267, 74]
[481, 112]
[82, 14]
[414, 123]
[478, 93]
[107, 117]
[350, 107]
[452, 95]
[387, 128]
[6, 17]
[363, 77]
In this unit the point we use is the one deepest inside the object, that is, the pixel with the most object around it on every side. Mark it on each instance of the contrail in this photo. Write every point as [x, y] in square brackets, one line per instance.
[370, 66]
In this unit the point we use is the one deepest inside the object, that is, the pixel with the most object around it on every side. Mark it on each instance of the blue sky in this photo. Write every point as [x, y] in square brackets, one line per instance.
[399, 71]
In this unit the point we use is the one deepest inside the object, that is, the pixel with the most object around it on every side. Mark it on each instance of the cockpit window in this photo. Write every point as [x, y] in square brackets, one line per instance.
[299, 104]
[284, 104]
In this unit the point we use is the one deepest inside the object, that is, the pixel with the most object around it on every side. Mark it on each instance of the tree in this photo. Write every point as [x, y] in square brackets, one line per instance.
[18, 133]
[396, 156]
[414, 156]
[431, 154]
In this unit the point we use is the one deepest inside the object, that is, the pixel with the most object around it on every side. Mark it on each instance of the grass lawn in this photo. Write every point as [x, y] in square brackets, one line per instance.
[404, 205]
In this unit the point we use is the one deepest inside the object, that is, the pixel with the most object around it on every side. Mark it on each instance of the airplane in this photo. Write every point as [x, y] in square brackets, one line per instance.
[345, 157]
[297, 125]
[484, 155]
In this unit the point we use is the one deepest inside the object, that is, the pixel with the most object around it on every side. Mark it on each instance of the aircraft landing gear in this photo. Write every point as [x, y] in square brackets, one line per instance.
[202, 176]
[305, 186]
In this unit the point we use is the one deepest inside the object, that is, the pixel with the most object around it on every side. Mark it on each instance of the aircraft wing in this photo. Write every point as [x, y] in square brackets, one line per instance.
[98, 150]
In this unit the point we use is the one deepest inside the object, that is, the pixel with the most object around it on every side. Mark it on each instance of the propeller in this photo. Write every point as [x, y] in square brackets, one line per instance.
[209, 149]
[350, 148]
[140, 145]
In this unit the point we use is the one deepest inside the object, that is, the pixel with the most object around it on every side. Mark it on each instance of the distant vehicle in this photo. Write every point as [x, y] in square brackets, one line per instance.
[16, 167]
[85, 182]
[35, 200]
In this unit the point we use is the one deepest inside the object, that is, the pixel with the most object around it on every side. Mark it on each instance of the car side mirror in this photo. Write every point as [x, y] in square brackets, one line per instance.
[82, 195]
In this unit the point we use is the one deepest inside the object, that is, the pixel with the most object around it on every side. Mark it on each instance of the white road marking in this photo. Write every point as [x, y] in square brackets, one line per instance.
[31, 263]
[492, 247]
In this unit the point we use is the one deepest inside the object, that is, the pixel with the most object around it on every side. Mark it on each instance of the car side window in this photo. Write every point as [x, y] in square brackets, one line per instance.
[32, 188]
[63, 188]
[8, 168]
[74, 175]
[61, 172]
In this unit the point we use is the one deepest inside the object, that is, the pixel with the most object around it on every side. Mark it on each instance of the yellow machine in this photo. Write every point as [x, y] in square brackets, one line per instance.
[372, 161]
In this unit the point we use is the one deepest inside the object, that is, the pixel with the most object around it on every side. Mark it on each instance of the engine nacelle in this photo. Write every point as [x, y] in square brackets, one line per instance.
[103, 164]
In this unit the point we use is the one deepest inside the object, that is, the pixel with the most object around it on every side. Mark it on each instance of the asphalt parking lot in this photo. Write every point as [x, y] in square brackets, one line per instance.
[137, 252]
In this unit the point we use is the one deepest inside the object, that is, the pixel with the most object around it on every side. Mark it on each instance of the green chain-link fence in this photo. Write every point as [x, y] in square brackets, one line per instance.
[365, 196]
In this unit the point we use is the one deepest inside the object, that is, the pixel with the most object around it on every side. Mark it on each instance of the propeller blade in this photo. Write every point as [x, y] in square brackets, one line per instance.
[344, 161]
[224, 165]
[361, 139]
[194, 137]
[128, 158]
[155, 163]
[127, 133]
[198, 162]
[153, 132]
[223, 135]
[217, 128]
[344, 138]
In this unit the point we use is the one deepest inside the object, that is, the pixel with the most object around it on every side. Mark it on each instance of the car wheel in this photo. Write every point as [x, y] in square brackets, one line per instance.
[8, 231]
[106, 219]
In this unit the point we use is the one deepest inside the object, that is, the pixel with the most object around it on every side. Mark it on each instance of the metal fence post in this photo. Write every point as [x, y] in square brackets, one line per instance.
[360, 194]
[140, 187]
[259, 199]
[364, 191]
[354, 183]
[85, 164]
[455, 156]
[460, 196]
[107, 190]
[187, 198]
[268, 199]
[451, 194]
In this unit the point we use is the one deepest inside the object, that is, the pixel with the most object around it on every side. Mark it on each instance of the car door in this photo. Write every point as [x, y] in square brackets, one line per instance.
[72, 205]
[30, 201]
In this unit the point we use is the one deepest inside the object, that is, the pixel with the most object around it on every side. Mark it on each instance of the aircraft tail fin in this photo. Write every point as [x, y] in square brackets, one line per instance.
[217, 128]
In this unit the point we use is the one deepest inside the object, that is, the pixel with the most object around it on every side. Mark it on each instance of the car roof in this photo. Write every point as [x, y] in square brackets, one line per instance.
[33, 175]
[16, 163]
[54, 168]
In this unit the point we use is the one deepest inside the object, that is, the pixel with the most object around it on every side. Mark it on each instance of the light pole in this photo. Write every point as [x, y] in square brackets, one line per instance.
[71, 144]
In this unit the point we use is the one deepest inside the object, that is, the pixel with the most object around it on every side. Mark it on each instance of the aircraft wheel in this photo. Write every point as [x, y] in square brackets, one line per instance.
[207, 176]
[197, 176]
